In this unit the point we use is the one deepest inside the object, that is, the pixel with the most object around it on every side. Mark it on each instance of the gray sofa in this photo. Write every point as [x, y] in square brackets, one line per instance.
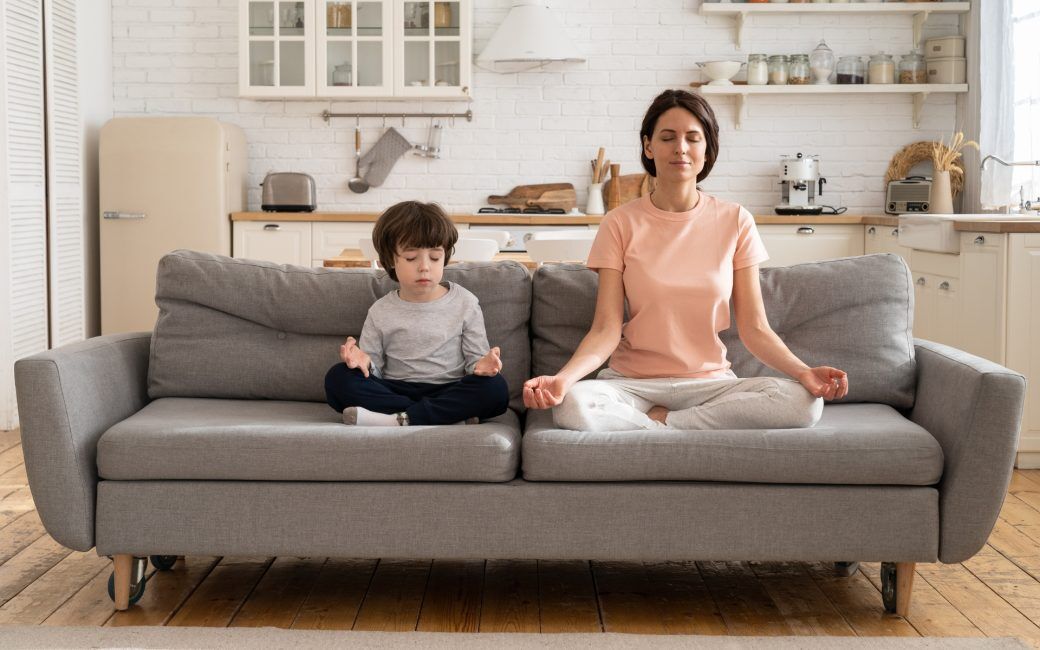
[210, 435]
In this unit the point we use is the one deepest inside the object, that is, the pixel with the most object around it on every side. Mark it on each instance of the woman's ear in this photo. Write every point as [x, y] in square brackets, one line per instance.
[646, 148]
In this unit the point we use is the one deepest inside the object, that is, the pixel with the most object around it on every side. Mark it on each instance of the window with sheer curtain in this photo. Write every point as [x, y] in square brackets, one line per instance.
[1025, 20]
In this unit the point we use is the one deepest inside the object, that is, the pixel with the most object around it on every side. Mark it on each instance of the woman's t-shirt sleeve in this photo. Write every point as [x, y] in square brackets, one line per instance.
[608, 250]
[750, 250]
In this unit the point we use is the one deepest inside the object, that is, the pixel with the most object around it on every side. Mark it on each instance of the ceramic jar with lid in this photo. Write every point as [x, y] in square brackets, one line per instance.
[821, 64]
[757, 70]
[912, 69]
[882, 69]
[778, 70]
[851, 70]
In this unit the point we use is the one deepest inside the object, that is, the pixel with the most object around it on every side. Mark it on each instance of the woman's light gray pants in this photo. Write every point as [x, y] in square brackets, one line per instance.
[612, 402]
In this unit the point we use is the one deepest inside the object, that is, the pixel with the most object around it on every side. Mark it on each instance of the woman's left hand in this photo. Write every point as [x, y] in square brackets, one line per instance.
[826, 382]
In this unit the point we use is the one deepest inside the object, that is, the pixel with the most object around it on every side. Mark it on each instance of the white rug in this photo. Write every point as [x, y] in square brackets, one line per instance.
[270, 638]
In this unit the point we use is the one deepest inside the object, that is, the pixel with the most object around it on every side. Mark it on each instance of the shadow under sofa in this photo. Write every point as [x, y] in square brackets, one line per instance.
[210, 435]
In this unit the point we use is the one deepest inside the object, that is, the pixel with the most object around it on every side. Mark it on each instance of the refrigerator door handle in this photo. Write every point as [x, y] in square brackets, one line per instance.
[108, 214]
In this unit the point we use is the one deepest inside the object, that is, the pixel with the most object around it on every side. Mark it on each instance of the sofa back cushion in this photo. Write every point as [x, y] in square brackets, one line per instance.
[854, 313]
[246, 329]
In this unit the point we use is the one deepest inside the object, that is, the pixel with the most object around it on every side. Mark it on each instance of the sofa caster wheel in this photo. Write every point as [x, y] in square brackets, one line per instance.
[163, 562]
[888, 586]
[846, 569]
[136, 590]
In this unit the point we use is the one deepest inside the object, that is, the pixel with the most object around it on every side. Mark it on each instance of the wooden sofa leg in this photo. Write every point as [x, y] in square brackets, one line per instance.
[904, 587]
[121, 568]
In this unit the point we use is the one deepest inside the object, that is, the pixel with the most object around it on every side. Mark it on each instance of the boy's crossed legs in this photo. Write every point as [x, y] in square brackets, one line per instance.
[423, 404]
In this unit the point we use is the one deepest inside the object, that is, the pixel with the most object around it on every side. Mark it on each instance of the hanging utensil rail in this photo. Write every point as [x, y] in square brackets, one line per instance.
[326, 115]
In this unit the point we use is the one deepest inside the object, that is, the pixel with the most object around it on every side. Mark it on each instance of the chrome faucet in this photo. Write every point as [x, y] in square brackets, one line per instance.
[1023, 163]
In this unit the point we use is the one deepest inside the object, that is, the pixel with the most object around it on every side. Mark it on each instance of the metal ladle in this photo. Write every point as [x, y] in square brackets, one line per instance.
[357, 184]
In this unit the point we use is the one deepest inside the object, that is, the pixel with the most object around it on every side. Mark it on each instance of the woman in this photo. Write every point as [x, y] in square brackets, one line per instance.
[677, 256]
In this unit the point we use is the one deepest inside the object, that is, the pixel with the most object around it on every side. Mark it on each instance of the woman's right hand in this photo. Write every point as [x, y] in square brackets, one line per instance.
[544, 392]
[354, 356]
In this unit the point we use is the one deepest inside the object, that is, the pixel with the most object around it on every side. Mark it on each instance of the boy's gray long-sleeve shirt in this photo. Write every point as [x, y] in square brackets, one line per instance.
[432, 342]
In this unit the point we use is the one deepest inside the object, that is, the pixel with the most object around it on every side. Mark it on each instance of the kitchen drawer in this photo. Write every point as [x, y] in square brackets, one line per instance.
[329, 239]
[948, 264]
[809, 242]
[282, 242]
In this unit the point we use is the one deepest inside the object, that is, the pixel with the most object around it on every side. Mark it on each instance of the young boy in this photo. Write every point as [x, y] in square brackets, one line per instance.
[423, 357]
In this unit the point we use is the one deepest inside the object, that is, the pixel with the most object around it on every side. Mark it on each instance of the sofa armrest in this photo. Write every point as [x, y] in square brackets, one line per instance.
[973, 407]
[67, 398]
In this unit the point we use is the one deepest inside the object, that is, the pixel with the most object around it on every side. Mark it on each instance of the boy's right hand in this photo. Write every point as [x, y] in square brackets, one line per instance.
[354, 356]
[544, 392]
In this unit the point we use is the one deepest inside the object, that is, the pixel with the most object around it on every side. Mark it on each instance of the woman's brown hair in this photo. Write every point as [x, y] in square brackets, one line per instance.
[412, 224]
[699, 108]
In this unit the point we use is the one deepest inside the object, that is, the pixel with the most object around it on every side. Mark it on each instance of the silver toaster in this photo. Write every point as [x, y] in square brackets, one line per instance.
[288, 192]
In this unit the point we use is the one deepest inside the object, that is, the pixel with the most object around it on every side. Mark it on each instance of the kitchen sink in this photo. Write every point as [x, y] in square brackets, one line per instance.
[935, 232]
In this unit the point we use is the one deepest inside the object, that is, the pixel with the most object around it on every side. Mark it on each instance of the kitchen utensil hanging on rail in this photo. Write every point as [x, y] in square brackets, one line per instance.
[357, 184]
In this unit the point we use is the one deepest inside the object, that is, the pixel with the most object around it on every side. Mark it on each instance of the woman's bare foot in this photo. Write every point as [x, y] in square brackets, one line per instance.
[658, 414]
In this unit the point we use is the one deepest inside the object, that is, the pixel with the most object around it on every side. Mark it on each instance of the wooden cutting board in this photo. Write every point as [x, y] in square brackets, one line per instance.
[563, 199]
[519, 196]
[632, 186]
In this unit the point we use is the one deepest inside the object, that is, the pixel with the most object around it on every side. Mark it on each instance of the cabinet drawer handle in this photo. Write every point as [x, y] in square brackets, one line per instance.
[920, 281]
[806, 230]
[110, 214]
[871, 230]
[272, 226]
[895, 232]
[945, 286]
[980, 240]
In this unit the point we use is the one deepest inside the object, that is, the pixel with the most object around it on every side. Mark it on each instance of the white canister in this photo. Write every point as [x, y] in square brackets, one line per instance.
[757, 70]
[594, 205]
[947, 70]
[946, 46]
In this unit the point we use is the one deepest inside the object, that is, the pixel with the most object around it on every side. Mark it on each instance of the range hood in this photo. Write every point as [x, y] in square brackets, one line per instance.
[529, 34]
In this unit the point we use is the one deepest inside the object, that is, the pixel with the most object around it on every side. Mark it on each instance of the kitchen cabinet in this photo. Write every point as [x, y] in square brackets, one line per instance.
[282, 242]
[797, 244]
[1023, 334]
[328, 239]
[356, 49]
[884, 239]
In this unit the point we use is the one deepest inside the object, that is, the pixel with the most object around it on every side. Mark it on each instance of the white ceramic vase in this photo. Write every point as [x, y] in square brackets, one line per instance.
[595, 203]
[941, 200]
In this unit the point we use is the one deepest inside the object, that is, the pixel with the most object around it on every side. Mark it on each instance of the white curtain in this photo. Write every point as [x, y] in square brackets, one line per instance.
[997, 97]
[1026, 29]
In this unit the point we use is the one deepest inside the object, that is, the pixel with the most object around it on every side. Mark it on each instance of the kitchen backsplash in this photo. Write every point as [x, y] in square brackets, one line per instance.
[175, 57]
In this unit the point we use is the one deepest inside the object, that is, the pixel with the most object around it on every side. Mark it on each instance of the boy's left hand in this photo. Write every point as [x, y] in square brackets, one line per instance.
[490, 364]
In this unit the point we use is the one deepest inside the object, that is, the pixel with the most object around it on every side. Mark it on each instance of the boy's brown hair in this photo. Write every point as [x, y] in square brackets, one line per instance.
[412, 224]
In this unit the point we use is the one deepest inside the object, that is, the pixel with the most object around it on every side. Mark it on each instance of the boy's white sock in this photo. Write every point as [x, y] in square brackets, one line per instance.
[365, 418]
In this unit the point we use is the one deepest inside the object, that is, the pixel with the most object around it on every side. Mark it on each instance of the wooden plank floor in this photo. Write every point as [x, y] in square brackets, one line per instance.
[996, 593]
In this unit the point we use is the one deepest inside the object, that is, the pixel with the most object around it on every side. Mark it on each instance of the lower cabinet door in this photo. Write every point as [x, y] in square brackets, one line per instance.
[283, 242]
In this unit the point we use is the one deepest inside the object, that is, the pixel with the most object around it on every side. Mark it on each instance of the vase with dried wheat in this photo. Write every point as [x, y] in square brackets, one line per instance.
[945, 160]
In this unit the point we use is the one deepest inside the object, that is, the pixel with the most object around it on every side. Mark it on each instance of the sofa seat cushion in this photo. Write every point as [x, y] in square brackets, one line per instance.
[221, 439]
[861, 444]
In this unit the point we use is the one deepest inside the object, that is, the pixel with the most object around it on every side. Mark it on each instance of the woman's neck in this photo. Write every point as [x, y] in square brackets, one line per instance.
[681, 197]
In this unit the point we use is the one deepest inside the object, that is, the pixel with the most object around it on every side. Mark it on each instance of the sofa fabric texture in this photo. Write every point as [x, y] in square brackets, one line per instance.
[249, 440]
[852, 444]
[246, 329]
[854, 313]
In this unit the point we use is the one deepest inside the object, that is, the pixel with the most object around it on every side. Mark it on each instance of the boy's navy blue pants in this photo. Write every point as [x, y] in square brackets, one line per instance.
[471, 396]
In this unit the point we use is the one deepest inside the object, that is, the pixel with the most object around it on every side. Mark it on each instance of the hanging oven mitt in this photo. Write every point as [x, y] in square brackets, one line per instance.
[380, 159]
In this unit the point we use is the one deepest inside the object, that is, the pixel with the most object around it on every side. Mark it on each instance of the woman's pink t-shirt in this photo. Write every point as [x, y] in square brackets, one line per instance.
[677, 269]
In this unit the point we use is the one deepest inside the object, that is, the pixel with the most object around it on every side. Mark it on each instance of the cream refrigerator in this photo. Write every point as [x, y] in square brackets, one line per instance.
[165, 183]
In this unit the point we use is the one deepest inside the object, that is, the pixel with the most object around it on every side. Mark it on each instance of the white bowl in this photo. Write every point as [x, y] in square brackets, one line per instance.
[720, 72]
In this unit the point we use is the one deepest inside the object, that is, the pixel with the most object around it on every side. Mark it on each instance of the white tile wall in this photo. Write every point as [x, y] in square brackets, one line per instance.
[180, 56]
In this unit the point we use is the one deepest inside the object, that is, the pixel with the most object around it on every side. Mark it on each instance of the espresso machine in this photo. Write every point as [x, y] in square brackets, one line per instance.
[800, 185]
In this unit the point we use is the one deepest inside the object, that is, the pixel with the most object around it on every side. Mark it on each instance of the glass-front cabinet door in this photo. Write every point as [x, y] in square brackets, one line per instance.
[276, 40]
[434, 43]
[355, 48]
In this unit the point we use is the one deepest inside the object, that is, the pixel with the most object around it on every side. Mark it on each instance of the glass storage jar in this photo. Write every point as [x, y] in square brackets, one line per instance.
[757, 70]
[851, 70]
[798, 70]
[882, 69]
[912, 68]
[777, 70]
[821, 63]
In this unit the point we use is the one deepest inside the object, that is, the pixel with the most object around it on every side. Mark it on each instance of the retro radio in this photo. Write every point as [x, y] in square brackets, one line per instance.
[908, 195]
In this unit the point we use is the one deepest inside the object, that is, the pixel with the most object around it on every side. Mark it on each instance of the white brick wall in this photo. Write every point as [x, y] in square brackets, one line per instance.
[180, 56]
